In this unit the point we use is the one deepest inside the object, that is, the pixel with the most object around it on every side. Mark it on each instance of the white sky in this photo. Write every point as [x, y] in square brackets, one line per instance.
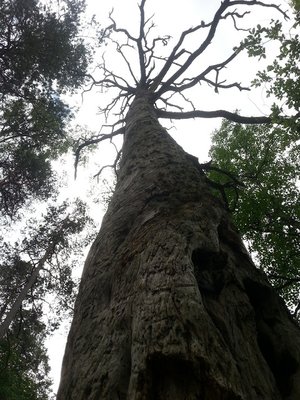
[171, 17]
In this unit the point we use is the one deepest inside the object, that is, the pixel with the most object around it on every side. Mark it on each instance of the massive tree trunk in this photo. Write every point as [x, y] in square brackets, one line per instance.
[170, 305]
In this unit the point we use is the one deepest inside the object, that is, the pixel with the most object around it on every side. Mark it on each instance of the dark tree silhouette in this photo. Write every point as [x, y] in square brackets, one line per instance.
[170, 304]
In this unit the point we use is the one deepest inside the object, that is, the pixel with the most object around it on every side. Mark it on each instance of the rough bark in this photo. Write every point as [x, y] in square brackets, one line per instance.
[170, 304]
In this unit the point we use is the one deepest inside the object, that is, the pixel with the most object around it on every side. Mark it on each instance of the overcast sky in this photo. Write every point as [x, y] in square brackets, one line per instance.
[171, 17]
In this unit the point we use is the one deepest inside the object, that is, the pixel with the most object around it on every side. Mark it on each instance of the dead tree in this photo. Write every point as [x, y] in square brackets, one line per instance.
[170, 304]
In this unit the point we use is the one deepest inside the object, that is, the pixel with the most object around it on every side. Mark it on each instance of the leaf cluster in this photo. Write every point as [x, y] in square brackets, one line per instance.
[51, 239]
[47, 251]
[23, 359]
[41, 56]
[281, 77]
[39, 45]
[266, 209]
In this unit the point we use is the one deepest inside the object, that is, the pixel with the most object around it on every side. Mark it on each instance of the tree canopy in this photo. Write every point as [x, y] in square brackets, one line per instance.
[262, 187]
[41, 56]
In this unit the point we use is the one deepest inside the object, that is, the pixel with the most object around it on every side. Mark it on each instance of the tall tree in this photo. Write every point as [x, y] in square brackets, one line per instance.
[257, 167]
[170, 304]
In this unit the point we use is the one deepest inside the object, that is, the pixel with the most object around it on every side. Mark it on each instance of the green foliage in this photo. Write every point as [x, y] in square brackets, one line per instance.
[295, 4]
[41, 56]
[52, 243]
[266, 160]
[23, 359]
[281, 77]
[57, 235]
[40, 45]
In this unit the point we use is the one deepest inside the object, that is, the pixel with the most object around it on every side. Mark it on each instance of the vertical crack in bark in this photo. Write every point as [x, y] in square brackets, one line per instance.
[209, 270]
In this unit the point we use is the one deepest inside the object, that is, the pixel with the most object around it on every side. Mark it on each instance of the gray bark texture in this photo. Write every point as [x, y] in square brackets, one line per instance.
[170, 305]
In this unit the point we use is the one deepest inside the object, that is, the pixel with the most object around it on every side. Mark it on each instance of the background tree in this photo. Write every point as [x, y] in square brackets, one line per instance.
[170, 305]
[264, 160]
[261, 183]
[36, 273]
[24, 365]
[41, 56]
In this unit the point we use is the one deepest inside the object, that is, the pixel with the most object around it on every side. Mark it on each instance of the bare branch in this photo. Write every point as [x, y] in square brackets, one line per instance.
[140, 44]
[115, 29]
[235, 15]
[213, 27]
[164, 40]
[171, 58]
[107, 82]
[125, 103]
[234, 117]
[228, 86]
[202, 76]
[168, 104]
[110, 106]
[119, 49]
[112, 126]
[259, 3]
[114, 165]
[219, 15]
[95, 140]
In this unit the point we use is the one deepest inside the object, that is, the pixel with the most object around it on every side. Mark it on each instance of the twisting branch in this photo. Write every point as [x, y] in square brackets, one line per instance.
[113, 27]
[235, 15]
[95, 140]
